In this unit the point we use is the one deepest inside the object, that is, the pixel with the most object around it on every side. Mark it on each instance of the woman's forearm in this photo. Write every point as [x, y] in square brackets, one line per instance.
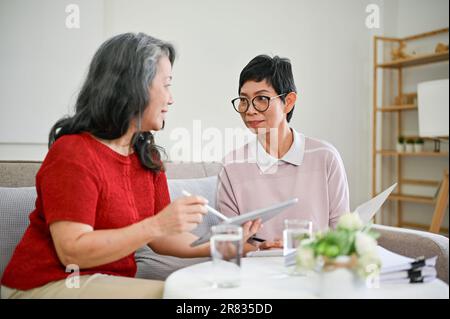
[91, 248]
[179, 245]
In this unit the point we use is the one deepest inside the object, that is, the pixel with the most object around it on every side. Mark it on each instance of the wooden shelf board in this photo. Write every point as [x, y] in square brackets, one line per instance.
[413, 37]
[420, 182]
[423, 227]
[416, 60]
[397, 108]
[425, 34]
[432, 138]
[412, 199]
[422, 154]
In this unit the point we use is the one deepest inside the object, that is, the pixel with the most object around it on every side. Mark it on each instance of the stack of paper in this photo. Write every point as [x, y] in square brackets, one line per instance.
[396, 268]
[275, 252]
[417, 271]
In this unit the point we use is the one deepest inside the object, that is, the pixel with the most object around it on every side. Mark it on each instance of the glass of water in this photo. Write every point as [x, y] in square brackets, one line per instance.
[295, 230]
[226, 252]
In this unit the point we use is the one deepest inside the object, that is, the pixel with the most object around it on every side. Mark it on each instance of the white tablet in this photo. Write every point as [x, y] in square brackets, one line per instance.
[264, 214]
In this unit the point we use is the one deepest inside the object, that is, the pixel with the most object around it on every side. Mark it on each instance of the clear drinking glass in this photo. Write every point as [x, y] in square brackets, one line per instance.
[226, 252]
[295, 230]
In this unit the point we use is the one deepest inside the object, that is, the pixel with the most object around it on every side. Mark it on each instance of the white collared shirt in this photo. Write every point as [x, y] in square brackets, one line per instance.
[293, 156]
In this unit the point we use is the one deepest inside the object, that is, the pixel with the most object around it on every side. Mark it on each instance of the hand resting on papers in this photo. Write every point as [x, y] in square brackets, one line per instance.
[276, 243]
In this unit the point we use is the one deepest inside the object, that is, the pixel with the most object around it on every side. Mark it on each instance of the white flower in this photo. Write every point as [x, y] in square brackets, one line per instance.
[305, 257]
[369, 264]
[350, 221]
[365, 244]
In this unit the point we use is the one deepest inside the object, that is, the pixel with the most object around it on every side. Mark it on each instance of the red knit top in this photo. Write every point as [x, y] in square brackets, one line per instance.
[84, 181]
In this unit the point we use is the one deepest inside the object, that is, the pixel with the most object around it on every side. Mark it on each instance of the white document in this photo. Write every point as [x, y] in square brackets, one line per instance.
[264, 214]
[277, 252]
[390, 259]
[409, 281]
[407, 274]
[367, 210]
[430, 262]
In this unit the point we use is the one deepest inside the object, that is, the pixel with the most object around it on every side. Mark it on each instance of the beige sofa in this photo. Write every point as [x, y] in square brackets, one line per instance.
[21, 174]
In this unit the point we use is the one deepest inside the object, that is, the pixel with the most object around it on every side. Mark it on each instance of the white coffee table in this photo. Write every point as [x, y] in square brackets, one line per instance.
[265, 278]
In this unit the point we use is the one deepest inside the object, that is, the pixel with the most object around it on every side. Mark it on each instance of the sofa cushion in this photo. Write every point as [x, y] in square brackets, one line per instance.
[188, 170]
[16, 205]
[18, 173]
[205, 187]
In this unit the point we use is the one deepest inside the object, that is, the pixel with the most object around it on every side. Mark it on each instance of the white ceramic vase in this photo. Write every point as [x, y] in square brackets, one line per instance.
[340, 283]
[418, 148]
[409, 148]
[400, 147]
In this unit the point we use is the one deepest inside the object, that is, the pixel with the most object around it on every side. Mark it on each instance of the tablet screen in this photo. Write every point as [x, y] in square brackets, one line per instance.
[264, 213]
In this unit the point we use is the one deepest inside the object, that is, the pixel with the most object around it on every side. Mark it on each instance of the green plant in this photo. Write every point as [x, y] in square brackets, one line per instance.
[401, 140]
[420, 141]
[350, 238]
[409, 141]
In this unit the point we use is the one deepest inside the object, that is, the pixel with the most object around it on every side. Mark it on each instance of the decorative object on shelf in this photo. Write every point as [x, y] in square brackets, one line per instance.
[345, 257]
[418, 145]
[406, 99]
[437, 146]
[398, 53]
[441, 48]
[433, 101]
[401, 144]
[409, 148]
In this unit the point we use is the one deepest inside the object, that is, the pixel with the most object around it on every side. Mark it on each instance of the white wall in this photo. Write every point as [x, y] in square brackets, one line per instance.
[327, 42]
[42, 64]
[417, 16]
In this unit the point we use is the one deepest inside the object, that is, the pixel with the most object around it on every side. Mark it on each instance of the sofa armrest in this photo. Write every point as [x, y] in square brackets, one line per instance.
[414, 243]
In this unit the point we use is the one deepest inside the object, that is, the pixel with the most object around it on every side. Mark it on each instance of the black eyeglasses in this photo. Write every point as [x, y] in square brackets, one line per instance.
[260, 102]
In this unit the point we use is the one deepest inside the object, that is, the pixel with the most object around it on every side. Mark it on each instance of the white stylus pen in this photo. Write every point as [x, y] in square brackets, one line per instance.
[209, 208]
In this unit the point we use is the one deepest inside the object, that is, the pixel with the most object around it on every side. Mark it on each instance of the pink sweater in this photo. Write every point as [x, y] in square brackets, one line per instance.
[311, 170]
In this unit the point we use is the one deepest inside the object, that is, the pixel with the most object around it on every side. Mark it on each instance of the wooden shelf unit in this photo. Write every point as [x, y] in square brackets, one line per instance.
[415, 61]
[398, 108]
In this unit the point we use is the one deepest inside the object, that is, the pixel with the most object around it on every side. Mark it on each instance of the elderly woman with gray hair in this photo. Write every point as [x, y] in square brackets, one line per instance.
[102, 190]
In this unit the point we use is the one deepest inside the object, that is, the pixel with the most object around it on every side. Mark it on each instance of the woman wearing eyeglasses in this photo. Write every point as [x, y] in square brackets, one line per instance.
[281, 163]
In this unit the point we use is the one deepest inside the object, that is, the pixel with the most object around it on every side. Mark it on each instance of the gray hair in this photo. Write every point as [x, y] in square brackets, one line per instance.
[116, 91]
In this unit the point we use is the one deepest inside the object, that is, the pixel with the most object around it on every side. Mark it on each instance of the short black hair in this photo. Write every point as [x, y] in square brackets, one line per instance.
[276, 71]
